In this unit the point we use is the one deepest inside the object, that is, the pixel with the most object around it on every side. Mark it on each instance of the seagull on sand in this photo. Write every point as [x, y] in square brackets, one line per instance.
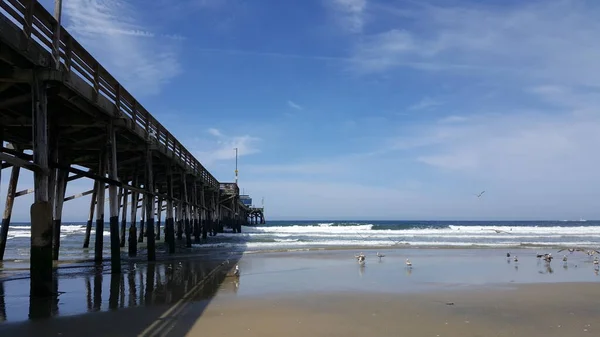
[596, 261]
[379, 255]
[360, 258]
[548, 258]
[408, 263]
[236, 272]
[564, 258]
[516, 259]
[508, 254]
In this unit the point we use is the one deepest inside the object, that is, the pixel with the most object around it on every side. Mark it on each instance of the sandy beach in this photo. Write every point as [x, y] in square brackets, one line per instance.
[454, 292]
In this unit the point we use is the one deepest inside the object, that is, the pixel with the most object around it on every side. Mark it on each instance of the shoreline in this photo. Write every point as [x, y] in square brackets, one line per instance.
[193, 296]
[203, 252]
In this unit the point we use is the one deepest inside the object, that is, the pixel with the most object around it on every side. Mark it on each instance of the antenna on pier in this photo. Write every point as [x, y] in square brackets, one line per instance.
[236, 170]
[263, 202]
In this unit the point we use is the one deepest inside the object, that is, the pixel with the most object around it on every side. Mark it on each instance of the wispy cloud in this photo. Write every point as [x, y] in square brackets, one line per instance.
[349, 13]
[425, 103]
[293, 105]
[544, 40]
[215, 132]
[115, 33]
[453, 119]
[221, 146]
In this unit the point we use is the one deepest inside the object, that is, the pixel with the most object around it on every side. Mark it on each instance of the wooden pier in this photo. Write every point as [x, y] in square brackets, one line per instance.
[64, 117]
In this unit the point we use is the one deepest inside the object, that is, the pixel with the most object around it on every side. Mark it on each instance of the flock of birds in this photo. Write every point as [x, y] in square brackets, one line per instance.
[547, 257]
[361, 259]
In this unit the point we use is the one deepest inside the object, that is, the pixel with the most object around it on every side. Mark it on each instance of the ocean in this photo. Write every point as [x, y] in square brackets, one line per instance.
[301, 235]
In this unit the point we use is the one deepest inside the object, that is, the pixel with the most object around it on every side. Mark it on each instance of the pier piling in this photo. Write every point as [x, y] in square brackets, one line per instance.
[99, 235]
[10, 201]
[123, 229]
[88, 228]
[41, 210]
[149, 186]
[132, 243]
[169, 223]
[115, 244]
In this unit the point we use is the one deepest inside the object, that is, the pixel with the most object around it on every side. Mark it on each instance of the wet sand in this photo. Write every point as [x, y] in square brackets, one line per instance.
[323, 293]
[528, 310]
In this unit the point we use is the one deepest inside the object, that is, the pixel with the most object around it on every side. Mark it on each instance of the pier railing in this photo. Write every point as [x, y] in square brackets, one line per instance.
[38, 25]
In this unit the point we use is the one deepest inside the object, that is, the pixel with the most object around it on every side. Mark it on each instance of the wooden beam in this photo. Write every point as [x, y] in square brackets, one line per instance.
[88, 228]
[61, 187]
[22, 163]
[15, 75]
[10, 199]
[23, 192]
[8, 102]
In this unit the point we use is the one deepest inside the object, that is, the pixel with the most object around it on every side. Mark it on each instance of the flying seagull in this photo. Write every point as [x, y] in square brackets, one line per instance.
[480, 194]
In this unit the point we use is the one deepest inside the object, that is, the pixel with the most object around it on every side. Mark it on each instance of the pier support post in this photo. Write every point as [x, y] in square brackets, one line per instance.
[179, 210]
[149, 187]
[10, 201]
[61, 188]
[186, 216]
[115, 245]
[204, 213]
[41, 210]
[158, 217]
[196, 213]
[142, 217]
[132, 244]
[88, 228]
[170, 225]
[123, 232]
[99, 236]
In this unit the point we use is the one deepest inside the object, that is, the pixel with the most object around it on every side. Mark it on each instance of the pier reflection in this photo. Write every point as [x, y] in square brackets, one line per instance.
[97, 290]
[2, 304]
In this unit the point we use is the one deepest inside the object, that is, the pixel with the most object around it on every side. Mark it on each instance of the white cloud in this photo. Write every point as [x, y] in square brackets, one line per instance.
[113, 32]
[215, 132]
[545, 150]
[294, 105]
[349, 13]
[211, 151]
[542, 40]
[453, 119]
[425, 104]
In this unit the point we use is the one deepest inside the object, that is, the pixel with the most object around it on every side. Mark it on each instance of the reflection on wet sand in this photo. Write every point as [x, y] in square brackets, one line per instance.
[140, 284]
[2, 305]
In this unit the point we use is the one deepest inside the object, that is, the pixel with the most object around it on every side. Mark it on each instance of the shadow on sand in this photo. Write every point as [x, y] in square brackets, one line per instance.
[146, 299]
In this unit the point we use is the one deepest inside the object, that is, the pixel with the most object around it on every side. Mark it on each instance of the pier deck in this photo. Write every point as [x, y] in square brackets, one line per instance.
[64, 117]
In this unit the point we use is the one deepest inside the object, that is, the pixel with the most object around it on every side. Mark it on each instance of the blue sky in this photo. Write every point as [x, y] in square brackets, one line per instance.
[371, 109]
